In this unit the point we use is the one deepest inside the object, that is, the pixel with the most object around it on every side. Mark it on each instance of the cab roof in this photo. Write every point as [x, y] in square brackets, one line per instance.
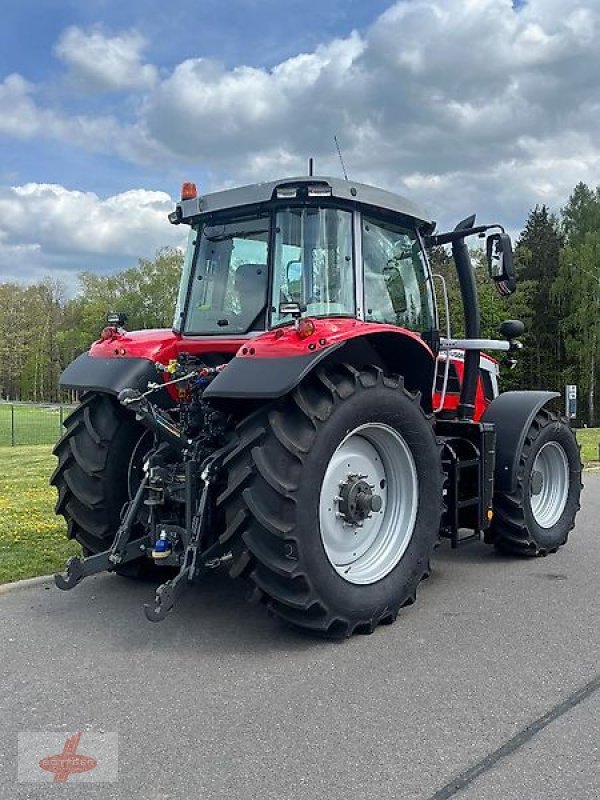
[349, 191]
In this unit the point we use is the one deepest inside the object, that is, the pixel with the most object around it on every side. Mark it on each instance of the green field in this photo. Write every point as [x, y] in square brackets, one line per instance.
[589, 439]
[33, 540]
[24, 424]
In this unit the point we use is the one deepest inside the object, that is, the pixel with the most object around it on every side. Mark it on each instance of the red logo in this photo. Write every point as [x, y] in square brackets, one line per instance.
[69, 762]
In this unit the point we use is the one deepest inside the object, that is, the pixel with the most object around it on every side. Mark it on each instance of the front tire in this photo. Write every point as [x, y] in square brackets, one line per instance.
[536, 518]
[340, 434]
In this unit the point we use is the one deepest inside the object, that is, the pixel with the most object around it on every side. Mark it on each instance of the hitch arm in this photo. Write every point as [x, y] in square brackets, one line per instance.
[78, 568]
[168, 593]
[121, 551]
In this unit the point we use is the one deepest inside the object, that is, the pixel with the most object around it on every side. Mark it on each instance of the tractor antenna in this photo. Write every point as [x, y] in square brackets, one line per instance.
[311, 166]
[337, 144]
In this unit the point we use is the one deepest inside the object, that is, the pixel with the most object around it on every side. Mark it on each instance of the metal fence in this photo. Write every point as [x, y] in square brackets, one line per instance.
[31, 423]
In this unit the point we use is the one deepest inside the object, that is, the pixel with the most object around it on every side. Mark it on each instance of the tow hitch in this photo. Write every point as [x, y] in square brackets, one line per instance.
[194, 563]
[184, 546]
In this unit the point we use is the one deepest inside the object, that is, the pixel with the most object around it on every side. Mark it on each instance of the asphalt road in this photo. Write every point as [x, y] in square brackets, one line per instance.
[488, 687]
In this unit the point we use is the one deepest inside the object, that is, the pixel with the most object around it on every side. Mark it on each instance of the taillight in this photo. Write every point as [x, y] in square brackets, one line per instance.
[305, 328]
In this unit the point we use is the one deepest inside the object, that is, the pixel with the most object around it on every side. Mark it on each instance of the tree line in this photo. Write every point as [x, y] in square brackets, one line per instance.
[42, 329]
[557, 259]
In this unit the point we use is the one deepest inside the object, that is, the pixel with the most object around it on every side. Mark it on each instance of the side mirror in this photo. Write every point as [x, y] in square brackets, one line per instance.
[500, 263]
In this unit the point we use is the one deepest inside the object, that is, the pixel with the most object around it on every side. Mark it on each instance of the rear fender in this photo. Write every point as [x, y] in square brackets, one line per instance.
[269, 369]
[512, 414]
[110, 375]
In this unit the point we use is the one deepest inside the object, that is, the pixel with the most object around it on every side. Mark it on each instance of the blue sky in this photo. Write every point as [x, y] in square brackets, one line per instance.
[260, 33]
[105, 107]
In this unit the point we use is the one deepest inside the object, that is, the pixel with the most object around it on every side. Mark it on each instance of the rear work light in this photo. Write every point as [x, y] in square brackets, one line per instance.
[287, 192]
[117, 318]
[188, 191]
[319, 191]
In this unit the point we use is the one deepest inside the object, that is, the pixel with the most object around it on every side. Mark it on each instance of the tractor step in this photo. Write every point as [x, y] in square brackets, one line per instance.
[468, 461]
[457, 540]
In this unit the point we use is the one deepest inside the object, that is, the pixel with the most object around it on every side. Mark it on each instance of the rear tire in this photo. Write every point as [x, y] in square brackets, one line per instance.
[99, 458]
[277, 517]
[537, 517]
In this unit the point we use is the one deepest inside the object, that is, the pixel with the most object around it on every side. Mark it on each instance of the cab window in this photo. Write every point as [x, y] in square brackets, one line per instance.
[397, 290]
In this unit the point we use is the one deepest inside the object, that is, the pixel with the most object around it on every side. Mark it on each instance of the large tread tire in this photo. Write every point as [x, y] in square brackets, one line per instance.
[92, 476]
[514, 529]
[271, 500]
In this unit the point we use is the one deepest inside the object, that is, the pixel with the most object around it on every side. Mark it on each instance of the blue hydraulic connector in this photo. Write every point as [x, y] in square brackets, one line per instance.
[162, 547]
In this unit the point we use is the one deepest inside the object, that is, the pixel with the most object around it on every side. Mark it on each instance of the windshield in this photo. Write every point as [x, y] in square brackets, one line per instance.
[397, 287]
[313, 262]
[228, 292]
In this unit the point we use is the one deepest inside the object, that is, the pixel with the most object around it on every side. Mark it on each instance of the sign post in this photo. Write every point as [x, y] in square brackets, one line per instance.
[571, 400]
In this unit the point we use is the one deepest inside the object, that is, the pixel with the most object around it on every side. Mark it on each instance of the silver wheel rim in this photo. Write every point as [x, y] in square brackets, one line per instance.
[366, 553]
[549, 485]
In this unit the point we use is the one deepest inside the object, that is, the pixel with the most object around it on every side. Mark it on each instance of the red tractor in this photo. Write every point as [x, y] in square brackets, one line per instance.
[304, 424]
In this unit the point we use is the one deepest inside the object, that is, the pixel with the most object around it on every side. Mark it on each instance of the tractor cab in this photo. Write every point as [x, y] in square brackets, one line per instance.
[332, 249]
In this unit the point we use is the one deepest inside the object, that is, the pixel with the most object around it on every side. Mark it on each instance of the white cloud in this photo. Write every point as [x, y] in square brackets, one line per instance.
[19, 115]
[461, 104]
[467, 96]
[22, 117]
[202, 107]
[44, 227]
[99, 61]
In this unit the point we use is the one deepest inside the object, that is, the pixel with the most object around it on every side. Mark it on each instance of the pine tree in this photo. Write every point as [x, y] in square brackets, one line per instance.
[577, 290]
[538, 263]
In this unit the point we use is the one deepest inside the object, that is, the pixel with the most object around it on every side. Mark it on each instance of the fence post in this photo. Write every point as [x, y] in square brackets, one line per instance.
[60, 419]
[12, 425]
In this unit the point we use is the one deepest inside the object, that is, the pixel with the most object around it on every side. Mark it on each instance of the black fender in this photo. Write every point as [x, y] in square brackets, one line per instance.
[263, 378]
[269, 378]
[109, 375]
[512, 413]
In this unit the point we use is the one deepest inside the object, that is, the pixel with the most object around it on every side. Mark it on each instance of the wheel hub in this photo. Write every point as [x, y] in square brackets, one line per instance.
[537, 482]
[368, 503]
[357, 501]
[549, 484]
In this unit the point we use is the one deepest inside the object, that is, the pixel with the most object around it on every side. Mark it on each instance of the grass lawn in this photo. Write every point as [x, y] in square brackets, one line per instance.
[33, 540]
[589, 439]
[32, 424]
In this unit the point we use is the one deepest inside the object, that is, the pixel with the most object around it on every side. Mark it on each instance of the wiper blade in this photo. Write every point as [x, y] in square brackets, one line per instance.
[222, 237]
[281, 324]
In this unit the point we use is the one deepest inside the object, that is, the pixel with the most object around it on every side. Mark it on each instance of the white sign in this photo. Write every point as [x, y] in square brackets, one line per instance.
[571, 400]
